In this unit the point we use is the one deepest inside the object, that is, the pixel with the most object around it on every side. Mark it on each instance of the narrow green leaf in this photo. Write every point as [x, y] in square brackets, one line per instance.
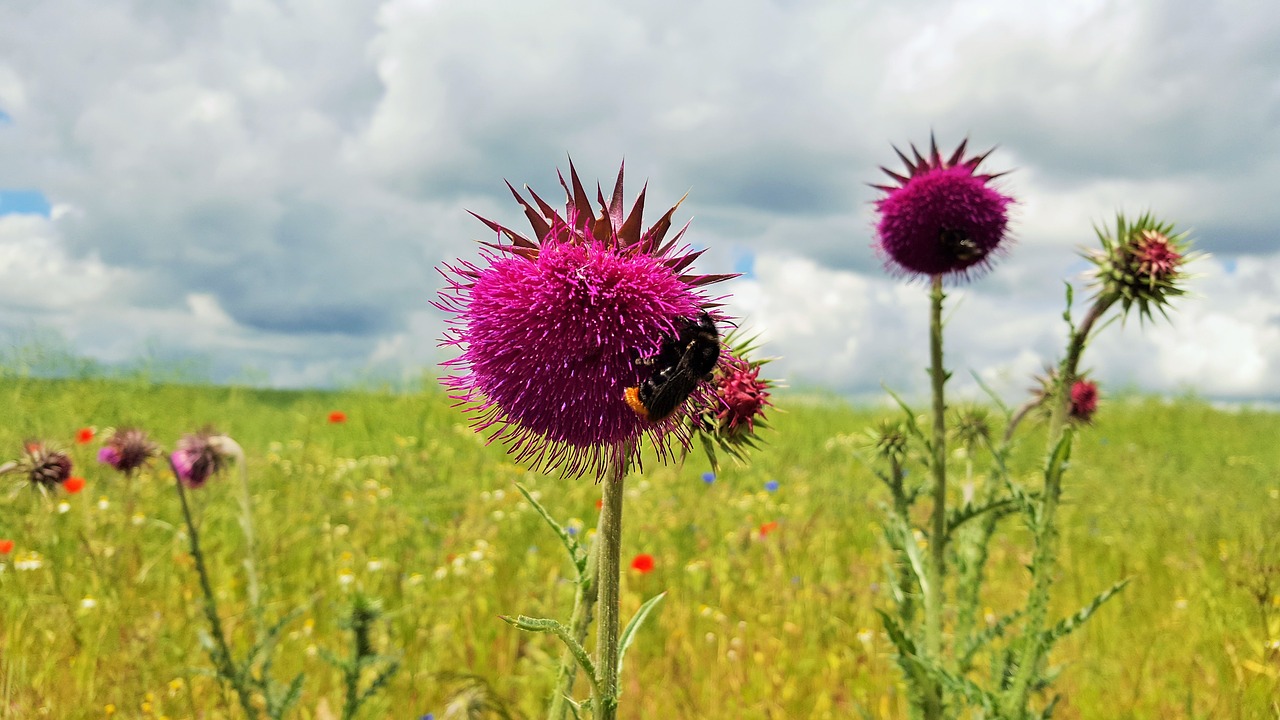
[629, 632]
[577, 553]
[897, 635]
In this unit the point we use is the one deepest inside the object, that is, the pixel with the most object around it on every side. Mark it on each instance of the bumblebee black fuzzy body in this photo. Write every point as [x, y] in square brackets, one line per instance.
[682, 362]
[957, 246]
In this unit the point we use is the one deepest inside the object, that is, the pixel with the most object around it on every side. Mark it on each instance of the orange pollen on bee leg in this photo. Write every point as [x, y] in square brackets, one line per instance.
[631, 396]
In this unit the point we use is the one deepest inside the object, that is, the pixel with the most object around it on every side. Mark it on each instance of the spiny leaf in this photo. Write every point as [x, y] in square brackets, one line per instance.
[1070, 623]
[1000, 506]
[980, 640]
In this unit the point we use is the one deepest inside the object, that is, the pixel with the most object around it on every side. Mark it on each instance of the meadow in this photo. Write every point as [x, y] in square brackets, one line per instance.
[771, 570]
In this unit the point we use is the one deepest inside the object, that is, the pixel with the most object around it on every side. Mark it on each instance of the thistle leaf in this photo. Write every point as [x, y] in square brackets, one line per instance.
[1068, 624]
[577, 553]
[629, 632]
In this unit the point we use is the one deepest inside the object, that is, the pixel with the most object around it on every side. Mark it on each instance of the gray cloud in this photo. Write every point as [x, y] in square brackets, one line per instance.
[271, 183]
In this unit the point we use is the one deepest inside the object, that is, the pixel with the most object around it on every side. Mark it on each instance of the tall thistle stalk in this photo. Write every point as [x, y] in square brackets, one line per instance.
[620, 320]
[610, 574]
[941, 219]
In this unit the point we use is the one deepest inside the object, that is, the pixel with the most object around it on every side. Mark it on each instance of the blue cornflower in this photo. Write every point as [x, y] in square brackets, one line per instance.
[771, 486]
[708, 477]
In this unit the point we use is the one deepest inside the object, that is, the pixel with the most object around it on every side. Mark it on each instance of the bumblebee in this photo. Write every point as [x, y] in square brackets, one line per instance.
[682, 362]
[959, 247]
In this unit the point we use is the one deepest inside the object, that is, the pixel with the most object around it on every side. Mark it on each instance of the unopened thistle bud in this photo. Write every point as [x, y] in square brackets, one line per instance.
[730, 419]
[889, 441]
[1141, 264]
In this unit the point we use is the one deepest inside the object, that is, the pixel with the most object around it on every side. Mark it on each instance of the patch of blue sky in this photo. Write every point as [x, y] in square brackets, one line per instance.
[5, 118]
[24, 202]
[745, 264]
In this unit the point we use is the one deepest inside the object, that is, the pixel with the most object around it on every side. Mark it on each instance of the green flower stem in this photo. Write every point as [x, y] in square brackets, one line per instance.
[584, 601]
[221, 650]
[936, 569]
[1044, 559]
[610, 571]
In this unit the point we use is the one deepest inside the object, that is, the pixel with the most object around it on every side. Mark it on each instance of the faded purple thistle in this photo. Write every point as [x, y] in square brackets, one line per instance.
[942, 218]
[200, 456]
[127, 450]
[554, 328]
[45, 467]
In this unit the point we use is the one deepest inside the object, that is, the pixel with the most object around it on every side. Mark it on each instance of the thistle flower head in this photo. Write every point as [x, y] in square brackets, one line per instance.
[1141, 264]
[127, 450]
[1082, 396]
[554, 328]
[730, 418]
[199, 456]
[1084, 400]
[942, 217]
[44, 467]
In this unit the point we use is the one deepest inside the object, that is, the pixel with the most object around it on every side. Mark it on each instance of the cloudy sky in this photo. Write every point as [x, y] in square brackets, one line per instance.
[267, 186]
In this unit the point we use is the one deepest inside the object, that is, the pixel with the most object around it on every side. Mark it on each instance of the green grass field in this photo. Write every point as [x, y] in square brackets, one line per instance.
[405, 503]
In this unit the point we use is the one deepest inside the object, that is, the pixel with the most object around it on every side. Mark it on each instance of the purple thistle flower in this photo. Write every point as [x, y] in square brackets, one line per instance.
[554, 329]
[942, 218]
[127, 450]
[200, 456]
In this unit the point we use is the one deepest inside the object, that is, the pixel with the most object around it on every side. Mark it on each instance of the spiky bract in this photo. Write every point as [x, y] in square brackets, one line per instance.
[1141, 264]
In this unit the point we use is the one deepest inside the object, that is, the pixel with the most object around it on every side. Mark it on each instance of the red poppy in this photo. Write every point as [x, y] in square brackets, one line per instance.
[73, 485]
[84, 436]
[6, 547]
[642, 563]
[768, 527]
[337, 416]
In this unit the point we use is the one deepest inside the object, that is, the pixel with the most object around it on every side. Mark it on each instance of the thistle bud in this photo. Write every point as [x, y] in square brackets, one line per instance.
[1141, 264]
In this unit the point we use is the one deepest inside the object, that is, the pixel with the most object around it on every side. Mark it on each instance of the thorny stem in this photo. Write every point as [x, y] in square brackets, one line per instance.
[1044, 559]
[934, 596]
[609, 569]
[584, 601]
[222, 651]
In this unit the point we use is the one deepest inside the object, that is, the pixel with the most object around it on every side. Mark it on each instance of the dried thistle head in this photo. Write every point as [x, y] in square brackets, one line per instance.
[127, 450]
[43, 466]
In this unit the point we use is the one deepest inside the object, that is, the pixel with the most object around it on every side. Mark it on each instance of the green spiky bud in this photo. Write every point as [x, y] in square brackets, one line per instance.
[1141, 264]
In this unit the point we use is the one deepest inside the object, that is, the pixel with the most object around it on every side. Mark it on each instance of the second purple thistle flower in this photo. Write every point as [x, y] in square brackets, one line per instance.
[554, 328]
[943, 217]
